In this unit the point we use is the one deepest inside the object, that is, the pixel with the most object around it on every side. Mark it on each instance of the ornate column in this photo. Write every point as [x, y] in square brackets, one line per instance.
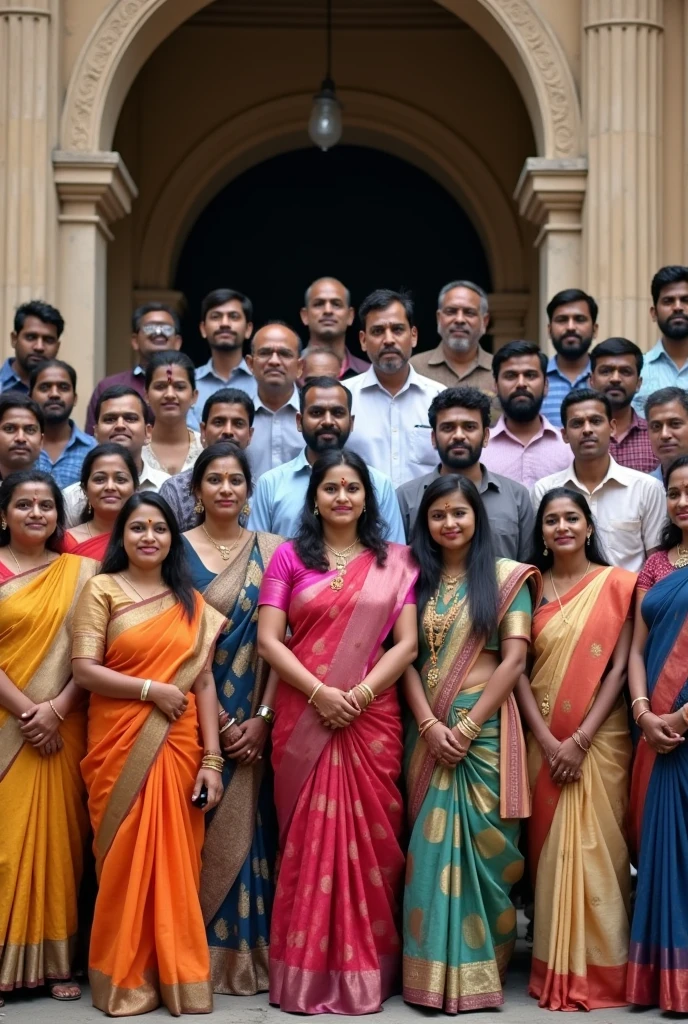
[507, 317]
[550, 193]
[622, 100]
[28, 125]
[94, 189]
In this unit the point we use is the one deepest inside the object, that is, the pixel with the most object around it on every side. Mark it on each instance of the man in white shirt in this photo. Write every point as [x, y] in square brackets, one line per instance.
[391, 400]
[123, 417]
[629, 507]
[276, 364]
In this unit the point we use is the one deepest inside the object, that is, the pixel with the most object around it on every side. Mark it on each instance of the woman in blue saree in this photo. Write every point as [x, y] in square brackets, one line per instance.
[658, 680]
[227, 564]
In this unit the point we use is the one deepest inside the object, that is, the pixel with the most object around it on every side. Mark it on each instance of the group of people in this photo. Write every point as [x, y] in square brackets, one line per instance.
[275, 671]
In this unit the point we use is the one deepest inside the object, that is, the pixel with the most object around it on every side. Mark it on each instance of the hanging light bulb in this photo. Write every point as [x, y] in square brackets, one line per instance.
[325, 124]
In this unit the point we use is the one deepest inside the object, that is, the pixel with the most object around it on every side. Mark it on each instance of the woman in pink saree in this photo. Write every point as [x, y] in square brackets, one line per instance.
[349, 601]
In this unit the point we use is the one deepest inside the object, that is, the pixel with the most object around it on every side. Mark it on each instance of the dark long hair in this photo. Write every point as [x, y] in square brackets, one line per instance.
[671, 533]
[593, 548]
[220, 450]
[175, 569]
[481, 574]
[32, 476]
[100, 451]
[308, 543]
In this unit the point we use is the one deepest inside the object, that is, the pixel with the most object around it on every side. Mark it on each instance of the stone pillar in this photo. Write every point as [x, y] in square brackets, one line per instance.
[28, 124]
[550, 193]
[507, 317]
[94, 189]
[622, 102]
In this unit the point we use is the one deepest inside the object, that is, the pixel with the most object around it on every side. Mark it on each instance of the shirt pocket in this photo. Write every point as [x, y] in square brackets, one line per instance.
[421, 451]
[624, 537]
[505, 534]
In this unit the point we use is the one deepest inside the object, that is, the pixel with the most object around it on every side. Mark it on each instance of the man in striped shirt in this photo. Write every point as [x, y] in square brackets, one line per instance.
[572, 326]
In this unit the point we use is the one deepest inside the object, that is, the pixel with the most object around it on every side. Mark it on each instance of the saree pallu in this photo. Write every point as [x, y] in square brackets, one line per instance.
[94, 547]
[335, 943]
[577, 843]
[42, 800]
[459, 922]
[148, 941]
[658, 959]
[237, 880]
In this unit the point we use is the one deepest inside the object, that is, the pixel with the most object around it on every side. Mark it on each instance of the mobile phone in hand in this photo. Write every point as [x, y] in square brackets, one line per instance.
[202, 798]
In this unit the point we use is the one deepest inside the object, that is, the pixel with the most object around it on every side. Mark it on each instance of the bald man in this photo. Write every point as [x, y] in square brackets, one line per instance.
[327, 312]
[276, 364]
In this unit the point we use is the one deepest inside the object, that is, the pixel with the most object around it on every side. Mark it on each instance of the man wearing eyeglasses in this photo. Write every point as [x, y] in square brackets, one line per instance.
[155, 328]
[276, 364]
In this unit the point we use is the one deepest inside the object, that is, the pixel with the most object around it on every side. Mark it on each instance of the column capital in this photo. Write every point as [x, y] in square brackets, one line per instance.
[94, 188]
[552, 190]
[646, 14]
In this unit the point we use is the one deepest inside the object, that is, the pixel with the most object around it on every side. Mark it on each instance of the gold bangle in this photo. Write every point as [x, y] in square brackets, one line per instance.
[145, 688]
[585, 736]
[646, 711]
[461, 726]
[228, 725]
[578, 742]
[427, 726]
[212, 768]
[368, 692]
[634, 702]
[316, 688]
[472, 725]
[54, 709]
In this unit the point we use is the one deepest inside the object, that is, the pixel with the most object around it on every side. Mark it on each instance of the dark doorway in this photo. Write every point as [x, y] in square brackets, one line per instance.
[370, 219]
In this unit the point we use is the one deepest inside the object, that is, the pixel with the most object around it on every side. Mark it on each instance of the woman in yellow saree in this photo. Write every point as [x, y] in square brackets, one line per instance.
[143, 645]
[579, 752]
[42, 740]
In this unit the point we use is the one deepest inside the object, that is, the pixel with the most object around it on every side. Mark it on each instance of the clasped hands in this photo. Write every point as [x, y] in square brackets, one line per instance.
[40, 727]
[339, 708]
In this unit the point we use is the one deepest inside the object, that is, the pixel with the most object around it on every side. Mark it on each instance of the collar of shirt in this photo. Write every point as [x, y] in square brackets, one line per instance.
[155, 477]
[483, 361]
[615, 472]
[545, 428]
[78, 437]
[293, 402]
[352, 362]
[553, 368]
[371, 380]
[9, 379]
[298, 464]
[488, 480]
[637, 423]
[208, 370]
[657, 353]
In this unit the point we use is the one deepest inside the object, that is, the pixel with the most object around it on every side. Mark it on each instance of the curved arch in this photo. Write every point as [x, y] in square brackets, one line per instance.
[376, 121]
[129, 31]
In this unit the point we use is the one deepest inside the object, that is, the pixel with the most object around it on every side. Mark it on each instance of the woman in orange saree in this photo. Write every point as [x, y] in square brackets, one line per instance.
[337, 745]
[42, 740]
[579, 752]
[108, 477]
[143, 645]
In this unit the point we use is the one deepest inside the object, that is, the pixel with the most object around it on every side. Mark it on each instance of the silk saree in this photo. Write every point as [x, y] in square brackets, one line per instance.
[334, 944]
[92, 547]
[42, 799]
[577, 840]
[658, 958]
[148, 942]
[237, 879]
[459, 922]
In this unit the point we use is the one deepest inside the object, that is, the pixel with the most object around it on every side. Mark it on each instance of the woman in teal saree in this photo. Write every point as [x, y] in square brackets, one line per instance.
[227, 565]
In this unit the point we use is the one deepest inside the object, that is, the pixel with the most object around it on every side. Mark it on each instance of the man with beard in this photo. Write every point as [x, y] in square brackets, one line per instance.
[572, 326]
[629, 508]
[35, 338]
[327, 312]
[226, 323]
[462, 320]
[21, 432]
[460, 422]
[523, 445]
[53, 387]
[276, 363]
[391, 399]
[155, 327]
[326, 422]
[616, 367]
[666, 364]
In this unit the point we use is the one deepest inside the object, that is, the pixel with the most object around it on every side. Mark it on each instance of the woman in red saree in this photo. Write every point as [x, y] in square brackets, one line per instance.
[143, 645]
[108, 478]
[337, 745]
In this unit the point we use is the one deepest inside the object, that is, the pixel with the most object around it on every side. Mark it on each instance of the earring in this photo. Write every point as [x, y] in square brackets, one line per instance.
[3, 522]
[545, 551]
[199, 507]
[316, 510]
[587, 539]
[246, 510]
[364, 508]
[89, 508]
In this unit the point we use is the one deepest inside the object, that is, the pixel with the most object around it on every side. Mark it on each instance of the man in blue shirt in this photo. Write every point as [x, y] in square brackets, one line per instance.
[572, 326]
[226, 323]
[666, 364]
[326, 422]
[53, 387]
[35, 338]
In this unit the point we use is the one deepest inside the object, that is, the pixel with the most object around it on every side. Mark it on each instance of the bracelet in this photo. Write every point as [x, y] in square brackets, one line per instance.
[646, 711]
[470, 728]
[427, 725]
[634, 702]
[318, 686]
[213, 762]
[577, 741]
[266, 713]
[367, 692]
[228, 725]
[53, 708]
[463, 728]
[145, 688]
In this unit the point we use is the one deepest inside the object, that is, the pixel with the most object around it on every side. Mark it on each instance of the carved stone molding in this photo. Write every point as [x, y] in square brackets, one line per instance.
[93, 188]
[550, 194]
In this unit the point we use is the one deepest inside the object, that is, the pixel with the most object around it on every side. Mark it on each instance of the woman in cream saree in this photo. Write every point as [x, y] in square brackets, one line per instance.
[42, 740]
[143, 641]
[579, 751]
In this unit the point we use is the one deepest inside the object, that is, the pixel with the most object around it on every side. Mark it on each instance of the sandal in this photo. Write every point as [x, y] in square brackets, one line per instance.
[69, 985]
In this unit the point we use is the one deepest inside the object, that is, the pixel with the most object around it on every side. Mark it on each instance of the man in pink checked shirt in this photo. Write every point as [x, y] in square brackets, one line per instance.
[523, 445]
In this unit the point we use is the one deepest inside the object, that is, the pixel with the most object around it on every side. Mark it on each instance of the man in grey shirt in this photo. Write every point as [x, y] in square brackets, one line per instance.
[459, 420]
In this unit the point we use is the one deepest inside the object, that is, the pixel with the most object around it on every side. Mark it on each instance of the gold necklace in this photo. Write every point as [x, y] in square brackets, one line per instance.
[436, 626]
[225, 551]
[341, 559]
[137, 592]
[545, 703]
[16, 560]
[681, 557]
[451, 583]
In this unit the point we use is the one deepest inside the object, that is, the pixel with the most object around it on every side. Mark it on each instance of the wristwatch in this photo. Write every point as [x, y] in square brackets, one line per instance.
[266, 713]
